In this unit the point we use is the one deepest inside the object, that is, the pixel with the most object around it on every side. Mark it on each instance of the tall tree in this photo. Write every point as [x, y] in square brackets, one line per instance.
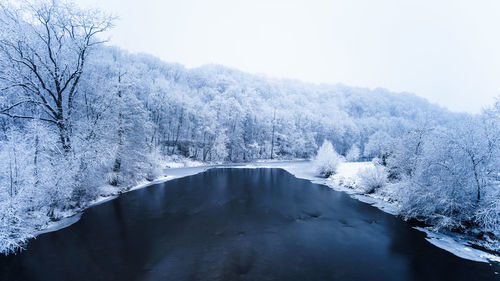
[43, 50]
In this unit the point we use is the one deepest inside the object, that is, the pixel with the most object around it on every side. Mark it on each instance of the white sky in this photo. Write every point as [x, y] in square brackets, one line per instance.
[447, 51]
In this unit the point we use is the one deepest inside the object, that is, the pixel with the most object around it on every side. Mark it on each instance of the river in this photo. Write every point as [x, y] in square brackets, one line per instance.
[238, 224]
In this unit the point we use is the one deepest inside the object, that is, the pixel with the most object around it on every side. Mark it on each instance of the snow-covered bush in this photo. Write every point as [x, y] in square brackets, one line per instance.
[372, 178]
[327, 160]
[353, 153]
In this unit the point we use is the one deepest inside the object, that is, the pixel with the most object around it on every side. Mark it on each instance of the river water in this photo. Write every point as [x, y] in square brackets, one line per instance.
[238, 224]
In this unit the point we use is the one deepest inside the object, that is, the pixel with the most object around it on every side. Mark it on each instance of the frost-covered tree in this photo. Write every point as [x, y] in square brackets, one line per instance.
[379, 146]
[44, 47]
[219, 149]
[446, 174]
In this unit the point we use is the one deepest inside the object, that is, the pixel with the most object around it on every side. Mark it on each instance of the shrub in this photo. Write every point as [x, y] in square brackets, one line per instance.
[372, 178]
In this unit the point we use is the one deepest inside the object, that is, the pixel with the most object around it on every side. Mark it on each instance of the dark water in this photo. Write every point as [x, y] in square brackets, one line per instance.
[238, 224]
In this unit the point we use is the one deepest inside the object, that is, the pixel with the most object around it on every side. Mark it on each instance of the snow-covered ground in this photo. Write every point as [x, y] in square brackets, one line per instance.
[460, 248]
[176, 161]
[345, 180]
[60, 224]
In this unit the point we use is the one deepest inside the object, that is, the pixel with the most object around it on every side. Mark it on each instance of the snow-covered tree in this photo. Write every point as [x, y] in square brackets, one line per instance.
[353, 153]
[219, 150]
[44, 49]
[379, 146]
[454, 169]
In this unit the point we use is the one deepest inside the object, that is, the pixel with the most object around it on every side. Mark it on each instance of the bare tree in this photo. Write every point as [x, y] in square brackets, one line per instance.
[43, 49]
[272, 134]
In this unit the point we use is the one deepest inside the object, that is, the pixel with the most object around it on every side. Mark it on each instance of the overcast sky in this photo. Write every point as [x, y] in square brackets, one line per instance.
[447, 51]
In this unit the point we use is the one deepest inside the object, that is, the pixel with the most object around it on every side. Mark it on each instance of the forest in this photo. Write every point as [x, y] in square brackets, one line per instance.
[77, 114]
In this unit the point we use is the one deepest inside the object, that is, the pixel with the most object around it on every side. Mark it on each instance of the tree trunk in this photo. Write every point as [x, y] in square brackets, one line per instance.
[272, 140]
[64, 136]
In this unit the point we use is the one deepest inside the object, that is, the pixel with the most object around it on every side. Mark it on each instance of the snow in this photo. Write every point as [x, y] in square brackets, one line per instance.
[149, 183]
[173, 164]
[60, 224]
[458, 247]
[102, 199]
[175, 161]
[379, 202]
[347, 180]
[347, 173]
